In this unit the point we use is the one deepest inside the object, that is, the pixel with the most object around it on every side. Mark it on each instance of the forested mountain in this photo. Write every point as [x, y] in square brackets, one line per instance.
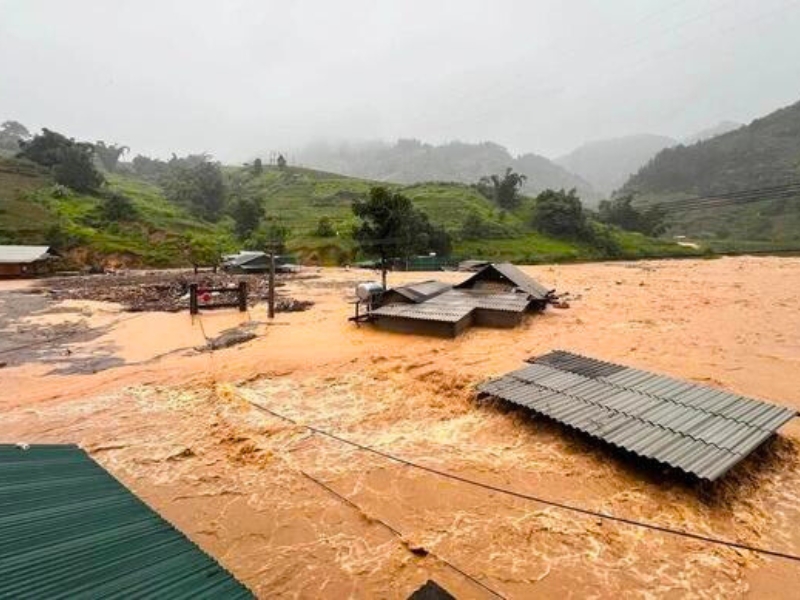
[706, 134]
[607, 164]
[412, 161]
[762, 154]
[765, 152]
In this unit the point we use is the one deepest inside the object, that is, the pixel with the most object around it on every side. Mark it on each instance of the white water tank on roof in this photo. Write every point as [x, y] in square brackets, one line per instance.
[368, 290]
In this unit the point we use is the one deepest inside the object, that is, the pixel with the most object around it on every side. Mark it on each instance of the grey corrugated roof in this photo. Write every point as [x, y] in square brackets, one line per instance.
[23, 254]
[68, 529]
[513, 274]
[423, 312]
[454, 305]
[697, 429]
[422, 291]
[245, 257]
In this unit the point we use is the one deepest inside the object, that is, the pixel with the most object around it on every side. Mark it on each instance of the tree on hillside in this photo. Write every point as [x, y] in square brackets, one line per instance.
[75, 170]
[149, 168]
[281, 162]
[11, 134]
[392, 228]
[246, 213]
[503, 190]
[197, 183]
[476, 227]
[325, 228]
[270, 236]
[45, 148]
[200, 251]
[430, 237]
[258, 167]
[117, 208]
[559, 213]
[621, 212]
[72, 162]
[109, 155]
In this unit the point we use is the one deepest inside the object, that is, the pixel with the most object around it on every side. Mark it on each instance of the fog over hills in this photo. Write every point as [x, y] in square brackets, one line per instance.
[412, 161]
[706, 134]
[607, 164]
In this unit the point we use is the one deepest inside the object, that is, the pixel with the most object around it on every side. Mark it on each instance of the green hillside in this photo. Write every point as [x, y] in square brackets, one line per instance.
[763, 154]
[34, 210]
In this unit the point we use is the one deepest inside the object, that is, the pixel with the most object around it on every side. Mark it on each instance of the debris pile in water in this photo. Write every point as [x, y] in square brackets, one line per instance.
[164, 291]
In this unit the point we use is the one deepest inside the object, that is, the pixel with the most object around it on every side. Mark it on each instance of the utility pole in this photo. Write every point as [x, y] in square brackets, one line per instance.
[271, 297]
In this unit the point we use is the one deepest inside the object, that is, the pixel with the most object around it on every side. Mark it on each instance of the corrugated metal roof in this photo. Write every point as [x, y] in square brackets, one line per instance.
[246, 256]
[697, 429]
[454, 305]
[521, 280]
[68, 529]
[422, 291]
[423, 312]
[23, 254]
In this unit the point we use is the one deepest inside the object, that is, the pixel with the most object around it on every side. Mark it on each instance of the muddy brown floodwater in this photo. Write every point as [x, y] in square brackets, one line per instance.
[296, 514]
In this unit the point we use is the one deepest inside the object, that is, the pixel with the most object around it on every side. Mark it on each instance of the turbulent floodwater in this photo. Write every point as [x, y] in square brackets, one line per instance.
[296, 514]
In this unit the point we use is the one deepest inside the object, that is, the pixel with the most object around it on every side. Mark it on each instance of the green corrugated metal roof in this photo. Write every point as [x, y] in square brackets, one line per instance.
[69, 529]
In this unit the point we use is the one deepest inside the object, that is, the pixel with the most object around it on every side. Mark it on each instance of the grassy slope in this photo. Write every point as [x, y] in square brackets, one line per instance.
[298, 198]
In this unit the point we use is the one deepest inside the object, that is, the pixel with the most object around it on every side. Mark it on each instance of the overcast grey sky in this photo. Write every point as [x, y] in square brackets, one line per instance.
[236, 78]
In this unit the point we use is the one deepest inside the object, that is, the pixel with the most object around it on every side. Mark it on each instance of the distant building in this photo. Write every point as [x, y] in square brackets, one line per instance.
[25, 261]
[254, 261]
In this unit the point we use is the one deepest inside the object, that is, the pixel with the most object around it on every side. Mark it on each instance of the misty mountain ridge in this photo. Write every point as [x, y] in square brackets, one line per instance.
[762, 154]
[607, 164]
[412, 161]
[706, 134]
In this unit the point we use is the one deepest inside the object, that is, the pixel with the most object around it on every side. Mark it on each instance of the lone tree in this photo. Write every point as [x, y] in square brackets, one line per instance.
[392, 228]
[117, 208]
[246, 213]
[281, 162]
[503, 190]
[258, 167]
[559, 214]
[109, 155]
[325, 228]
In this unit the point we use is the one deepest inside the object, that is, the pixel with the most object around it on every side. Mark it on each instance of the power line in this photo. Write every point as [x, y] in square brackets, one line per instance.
[423, 551]
[788, 190]
[531, 497]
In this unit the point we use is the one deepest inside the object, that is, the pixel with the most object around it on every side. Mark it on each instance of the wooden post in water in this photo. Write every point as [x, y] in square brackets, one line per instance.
[194, 308]
[271, 298]
[242, 296]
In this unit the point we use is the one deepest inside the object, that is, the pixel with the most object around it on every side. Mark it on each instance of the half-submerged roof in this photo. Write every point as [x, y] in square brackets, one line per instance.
[512, 275]
[24, 254]
[69, 529]
[453, 305]
[700, 430]
[422, 291]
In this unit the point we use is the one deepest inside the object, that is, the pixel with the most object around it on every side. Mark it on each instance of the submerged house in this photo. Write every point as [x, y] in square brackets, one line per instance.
[25, 261]
[499, 295]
